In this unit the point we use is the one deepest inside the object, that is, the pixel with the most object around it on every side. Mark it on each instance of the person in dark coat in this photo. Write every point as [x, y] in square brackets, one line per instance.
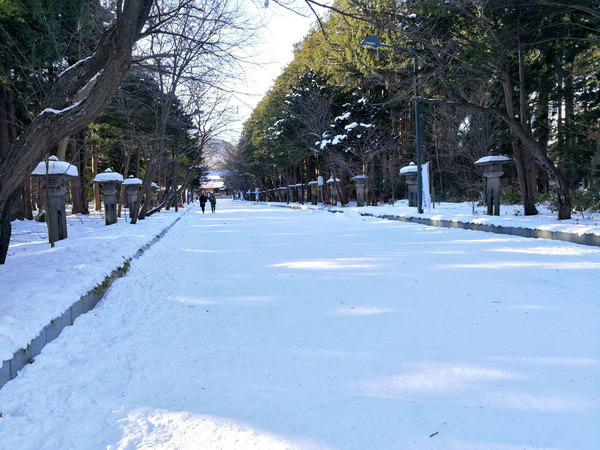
[213, 201]
[203, 199]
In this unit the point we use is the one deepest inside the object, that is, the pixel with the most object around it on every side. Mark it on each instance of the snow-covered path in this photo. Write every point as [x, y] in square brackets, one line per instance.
[262, 327]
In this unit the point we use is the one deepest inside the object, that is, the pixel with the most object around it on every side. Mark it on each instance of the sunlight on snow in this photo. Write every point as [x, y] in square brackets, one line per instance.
[244, 299]
[196, 301]
[360, 311]
[434, 378]
[561, 251]
[150, 428]
[524, 264]
[547, 360]
[253, 298]
[532, 307]
[549, 403]
[336, 263]
[487, 383]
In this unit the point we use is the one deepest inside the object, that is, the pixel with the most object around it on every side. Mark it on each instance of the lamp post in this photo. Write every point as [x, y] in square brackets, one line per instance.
[373, 41]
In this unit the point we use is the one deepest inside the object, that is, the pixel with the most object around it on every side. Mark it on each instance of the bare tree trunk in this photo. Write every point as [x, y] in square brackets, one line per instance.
[5, 227]
[27, 205]
[123, 195]
[523, 153]
[79, 184]
[146, 189]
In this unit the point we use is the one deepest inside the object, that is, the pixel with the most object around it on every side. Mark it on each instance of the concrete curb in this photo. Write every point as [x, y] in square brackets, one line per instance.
[534, 233]
[10, 369]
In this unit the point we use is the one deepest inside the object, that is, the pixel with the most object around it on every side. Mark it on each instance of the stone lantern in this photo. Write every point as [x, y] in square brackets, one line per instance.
[154, 201]
[109, 181]
[410, 172]
[313, 192]
[56, 217]
[293, 193]
[333, 190]
[359, 182]
[132, 185]
[300, 193]
[492, 171]
[281, 193]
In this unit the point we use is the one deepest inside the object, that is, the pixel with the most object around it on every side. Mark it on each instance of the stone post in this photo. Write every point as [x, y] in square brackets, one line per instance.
[360, 181]
[333, 190]
[492, 171]
[410, 172]
[56, 216]
[314, 199]
[109, 181]
[132, 185]
[154, 199]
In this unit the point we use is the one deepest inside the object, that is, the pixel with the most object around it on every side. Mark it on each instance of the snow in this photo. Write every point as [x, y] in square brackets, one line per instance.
[55, 167]
[132, 181]
[489, 159]
[108, 176]
[411, 168]
[338, 138]
[71, 67]
[269, 327]
[344, 116]
[60, 111]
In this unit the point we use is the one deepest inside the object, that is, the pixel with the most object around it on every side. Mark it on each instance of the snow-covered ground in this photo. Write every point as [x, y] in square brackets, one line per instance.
[269, 327]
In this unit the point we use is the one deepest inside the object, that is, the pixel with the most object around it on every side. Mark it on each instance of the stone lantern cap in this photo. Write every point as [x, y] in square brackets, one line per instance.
[55, 167]
[410, 169]
[154, 185]
[337, 180]
[492, 165]
[132, 181]
[312, 183]
[359, 177]
[108, 176]
[499, 159]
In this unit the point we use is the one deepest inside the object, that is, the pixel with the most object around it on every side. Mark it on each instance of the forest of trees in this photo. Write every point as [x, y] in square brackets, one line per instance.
[513, 77]
[137, 86]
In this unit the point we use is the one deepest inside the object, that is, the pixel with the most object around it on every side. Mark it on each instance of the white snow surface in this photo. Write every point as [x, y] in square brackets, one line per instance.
[109, 176]
[55, 167]
[408, 169]
[492, 158]
[132, 181]
[267, 327]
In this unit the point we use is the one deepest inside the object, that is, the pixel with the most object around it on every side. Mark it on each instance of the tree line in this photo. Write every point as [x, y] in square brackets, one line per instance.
[138, 86]
[512, 77]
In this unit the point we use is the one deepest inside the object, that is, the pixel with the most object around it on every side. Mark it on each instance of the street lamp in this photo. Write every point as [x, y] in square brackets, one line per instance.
[373, 41]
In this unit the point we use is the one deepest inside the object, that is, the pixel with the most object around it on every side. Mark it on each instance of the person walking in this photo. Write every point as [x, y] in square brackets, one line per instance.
[203, 199]
[213, 201]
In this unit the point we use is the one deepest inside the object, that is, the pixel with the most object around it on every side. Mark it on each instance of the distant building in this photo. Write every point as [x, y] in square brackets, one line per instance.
[215, 183]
